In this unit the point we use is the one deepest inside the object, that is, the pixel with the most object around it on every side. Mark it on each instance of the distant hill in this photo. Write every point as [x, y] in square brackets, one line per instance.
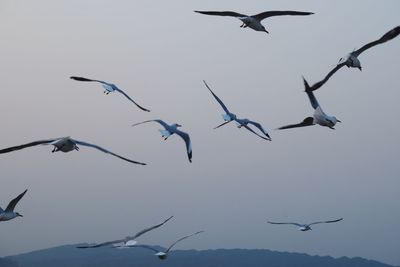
[7, 263]
[69, 256]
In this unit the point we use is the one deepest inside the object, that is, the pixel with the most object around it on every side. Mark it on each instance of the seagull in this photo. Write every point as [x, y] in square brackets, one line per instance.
[306, 227]
[254, 22]
[229, 116]
[65, 144]
[162, 255]
[108, 88]
[351, 60]
[9, 213]
[170, 130]
[129, 240]
[319, 116]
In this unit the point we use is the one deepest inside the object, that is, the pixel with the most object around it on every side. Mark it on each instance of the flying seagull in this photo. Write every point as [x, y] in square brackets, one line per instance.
[306, 227]
[170, 130]
[229, 116]
[351, 60]
[108, 88]
[254, 22]
[162, 255]
[9, 213]
[319, 116]
[65, 144]
[129, 240]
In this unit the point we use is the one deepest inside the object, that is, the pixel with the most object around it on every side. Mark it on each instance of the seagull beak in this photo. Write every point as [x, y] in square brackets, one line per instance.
[360, 68]
[338, 121]
[19, 215]
[266, 31]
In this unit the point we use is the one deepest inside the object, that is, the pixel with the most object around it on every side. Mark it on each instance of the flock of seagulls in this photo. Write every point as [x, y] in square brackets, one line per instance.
[67, 144]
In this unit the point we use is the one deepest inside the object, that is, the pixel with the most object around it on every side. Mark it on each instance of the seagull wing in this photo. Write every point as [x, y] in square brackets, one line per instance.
[179, 240]
[10, 149]
[14, 202]
[251, 130]
[108, 243]
[164, 124]
[82, 79]
[313, 100]
[221, 13]
[309, 121]
[386, 37]
[106, 151]
[292, 223]
[333, 221]
[217, 98]
[122, 92]
[188, 143]
[268, 14]
[317, 85]
[148, 229]
[259, 126]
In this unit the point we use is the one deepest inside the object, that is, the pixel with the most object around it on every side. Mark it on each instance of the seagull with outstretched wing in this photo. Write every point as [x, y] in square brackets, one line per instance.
[65, 144]
[9, 213]
[129, 240]
[170, 130]
[254, 22]
[351, 60]
[319, 116]
[229, 116]
[306, 227]
[162, 255]
[109, 88]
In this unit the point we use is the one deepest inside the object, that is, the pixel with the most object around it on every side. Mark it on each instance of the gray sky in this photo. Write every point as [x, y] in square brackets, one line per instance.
[159, 52]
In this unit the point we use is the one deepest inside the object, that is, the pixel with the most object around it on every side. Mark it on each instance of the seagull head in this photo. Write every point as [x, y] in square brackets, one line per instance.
[161, 255]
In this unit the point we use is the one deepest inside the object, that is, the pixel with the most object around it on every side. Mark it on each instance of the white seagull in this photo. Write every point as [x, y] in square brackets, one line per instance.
[129, 240]
[108, 88]
[229, 116]
[162, 255]
[170, 130]
[9, 213]
[65, 144]
[351, 60]
[319, 116]
[305, 227]
[254, 22]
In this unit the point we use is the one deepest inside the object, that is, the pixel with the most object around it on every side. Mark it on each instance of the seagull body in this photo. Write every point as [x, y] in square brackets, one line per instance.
[351, 60]
[129, 240]
[319, 116]
[108, 88]
[254, 22]
[306, 227]
[9, 213]
[170, 130]
[162, 255]
[65, 144]
[229, 116]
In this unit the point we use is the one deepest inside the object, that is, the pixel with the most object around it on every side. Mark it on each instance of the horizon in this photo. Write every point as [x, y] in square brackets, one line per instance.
[160, 55]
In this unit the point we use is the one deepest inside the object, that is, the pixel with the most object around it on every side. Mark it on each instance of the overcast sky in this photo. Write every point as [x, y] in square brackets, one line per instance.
[159, 52]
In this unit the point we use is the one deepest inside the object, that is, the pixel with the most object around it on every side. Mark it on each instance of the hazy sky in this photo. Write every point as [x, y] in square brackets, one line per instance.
[159, 52]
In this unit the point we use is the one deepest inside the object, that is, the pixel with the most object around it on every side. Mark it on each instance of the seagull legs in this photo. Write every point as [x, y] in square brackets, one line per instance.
[243, 25]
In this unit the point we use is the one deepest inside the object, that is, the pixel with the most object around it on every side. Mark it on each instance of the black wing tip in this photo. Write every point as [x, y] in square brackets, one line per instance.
[307, 87]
